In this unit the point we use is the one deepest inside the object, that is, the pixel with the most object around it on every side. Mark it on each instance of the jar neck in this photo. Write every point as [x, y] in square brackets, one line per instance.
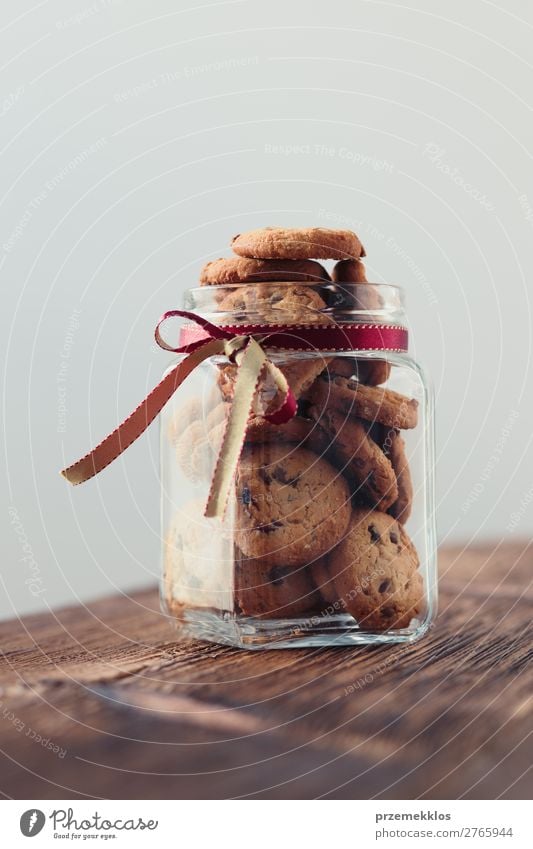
[270, 302]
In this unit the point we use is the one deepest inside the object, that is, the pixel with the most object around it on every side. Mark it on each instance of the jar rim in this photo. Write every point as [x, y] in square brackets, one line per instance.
[341, 301]
[313, 284]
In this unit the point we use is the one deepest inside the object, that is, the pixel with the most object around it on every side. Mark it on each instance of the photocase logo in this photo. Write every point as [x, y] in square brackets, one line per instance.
[32, 822]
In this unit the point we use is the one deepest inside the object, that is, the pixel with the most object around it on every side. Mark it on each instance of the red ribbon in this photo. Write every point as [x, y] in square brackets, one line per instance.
[295, 337]
[203, 340]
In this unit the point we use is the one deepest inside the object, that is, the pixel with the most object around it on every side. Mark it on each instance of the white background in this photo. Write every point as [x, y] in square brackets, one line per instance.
[137, 137]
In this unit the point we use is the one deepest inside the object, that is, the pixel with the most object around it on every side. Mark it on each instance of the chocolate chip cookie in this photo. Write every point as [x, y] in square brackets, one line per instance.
[394, 448]
[298, 431]
[271, 592]
[300, 371]
[232, 270]
[291, 508]
[369, 371]
[360, 457]
[274, 303]
[298, 243]
[371, 403]
[374, 570]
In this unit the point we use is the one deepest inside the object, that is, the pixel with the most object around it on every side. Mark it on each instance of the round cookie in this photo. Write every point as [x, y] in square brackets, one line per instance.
[267, 398]
[227, 375]
[278, 303]
[300, 374]
[189, 411]
[232, 270]
[351, 290]
[275, 303]
[196, 566]
[374, 372]
[349, 271]
[371, 403]
[343, 367]
[394, 448]
[374, 570]
[298, 243]
[291, 508]
[360, 456]
[325, 587]
[197, 449]
[218, 414]
[273, 591]
[300, 431]
[369, 371]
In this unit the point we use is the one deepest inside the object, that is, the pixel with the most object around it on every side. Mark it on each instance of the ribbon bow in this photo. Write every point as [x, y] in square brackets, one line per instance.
[240, 344]
[251, 362]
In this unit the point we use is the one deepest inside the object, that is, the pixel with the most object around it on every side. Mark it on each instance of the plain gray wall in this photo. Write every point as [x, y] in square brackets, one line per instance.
[137, 137]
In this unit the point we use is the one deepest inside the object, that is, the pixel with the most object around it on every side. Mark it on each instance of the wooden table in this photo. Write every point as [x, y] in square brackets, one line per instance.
[103, 702]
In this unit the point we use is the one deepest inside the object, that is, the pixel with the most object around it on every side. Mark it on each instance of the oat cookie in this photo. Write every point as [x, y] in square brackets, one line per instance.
[374, 570]
[359, 456]
[298, 243]
[196, 561]
[394, 448]
[232, 270]
[371, 403]
[272, 592]
[197, 450]
[291, 509]
[187, 412]
[218, 414]
[349, 271]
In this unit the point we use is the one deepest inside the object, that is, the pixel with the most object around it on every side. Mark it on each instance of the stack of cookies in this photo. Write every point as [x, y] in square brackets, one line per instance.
[321, 501]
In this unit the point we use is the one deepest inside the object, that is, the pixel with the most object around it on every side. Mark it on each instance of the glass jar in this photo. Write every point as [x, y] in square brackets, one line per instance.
[328, 537]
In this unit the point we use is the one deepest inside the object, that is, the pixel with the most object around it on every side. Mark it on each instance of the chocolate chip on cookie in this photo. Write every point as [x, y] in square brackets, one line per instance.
[233, 270]
[359, 456]
[374, 570]
[298, 243]
[291, 507]
[371, 403]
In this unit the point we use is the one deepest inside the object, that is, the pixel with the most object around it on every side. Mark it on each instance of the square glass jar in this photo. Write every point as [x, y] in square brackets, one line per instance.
[329, 533]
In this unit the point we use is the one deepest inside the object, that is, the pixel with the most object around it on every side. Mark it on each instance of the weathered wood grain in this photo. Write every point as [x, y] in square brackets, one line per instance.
[141, 715]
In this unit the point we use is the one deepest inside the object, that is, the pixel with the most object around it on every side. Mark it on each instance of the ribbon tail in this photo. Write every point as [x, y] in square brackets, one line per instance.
[251, 363]
[288, 406]
[136, 423]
